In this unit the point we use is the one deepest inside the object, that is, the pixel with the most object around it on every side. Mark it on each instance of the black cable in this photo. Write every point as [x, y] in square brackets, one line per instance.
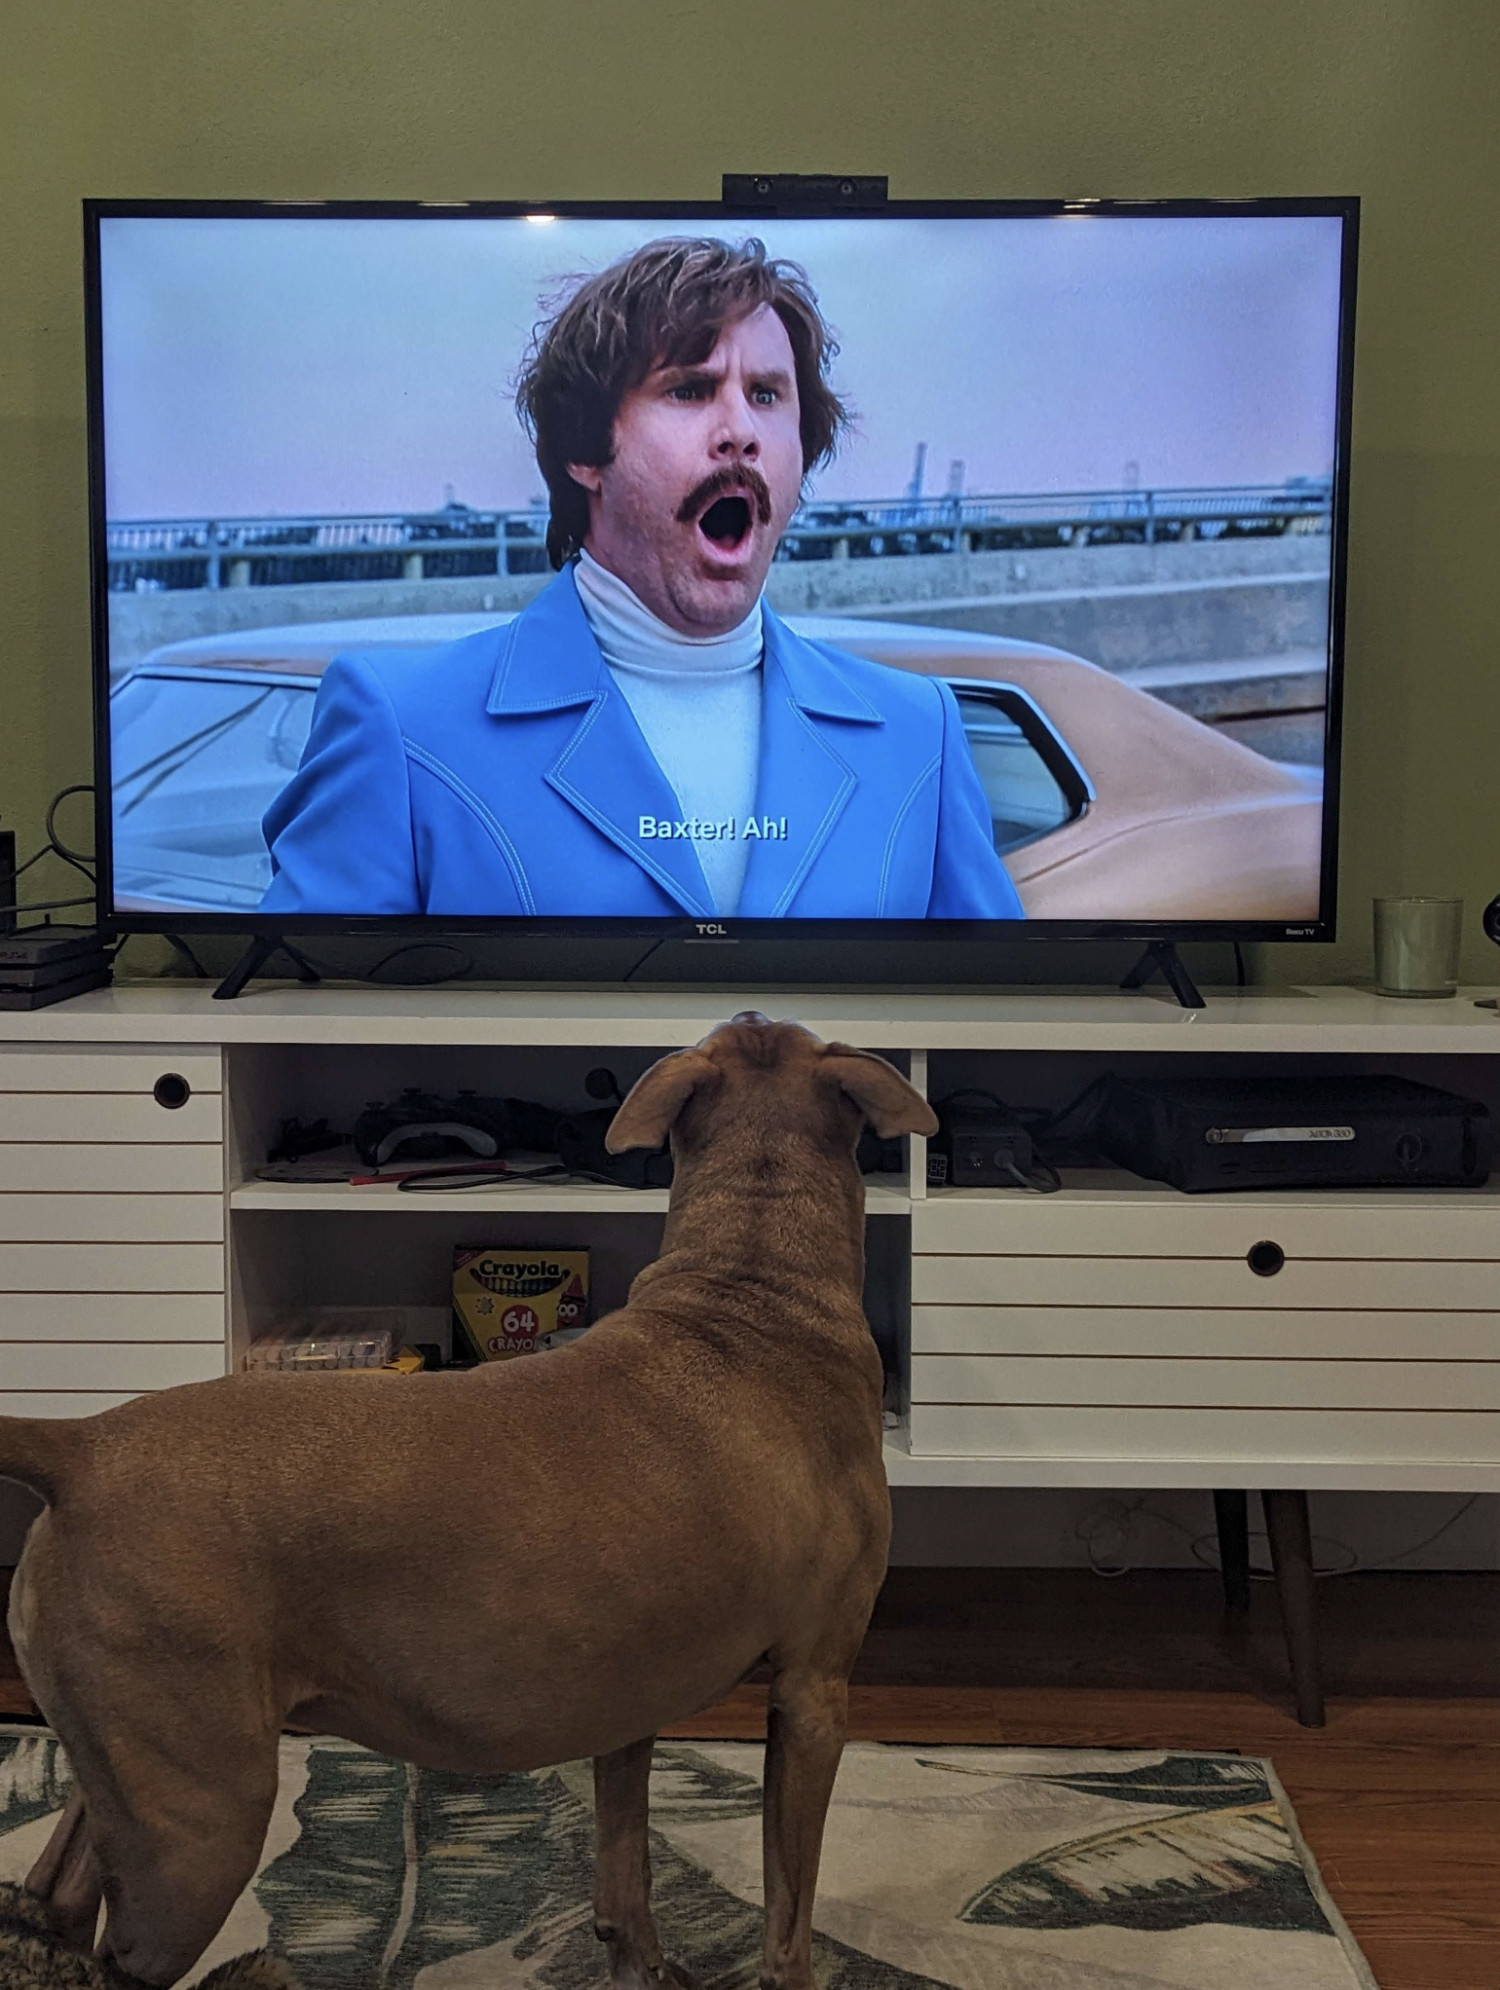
[425, 980]
[653, 948]
[440, 1180]
[55, 847]
[56, 904]
[180, 946]
[74, 857]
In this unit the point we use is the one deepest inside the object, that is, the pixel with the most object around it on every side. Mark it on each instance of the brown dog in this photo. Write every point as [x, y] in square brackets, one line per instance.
[692, 1488]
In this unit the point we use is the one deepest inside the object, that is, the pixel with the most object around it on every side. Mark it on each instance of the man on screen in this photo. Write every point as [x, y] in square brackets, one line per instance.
[648, 737]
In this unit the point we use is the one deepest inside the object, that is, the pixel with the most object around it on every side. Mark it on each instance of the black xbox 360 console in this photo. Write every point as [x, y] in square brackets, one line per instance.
[1315, 1132]
[40, 965]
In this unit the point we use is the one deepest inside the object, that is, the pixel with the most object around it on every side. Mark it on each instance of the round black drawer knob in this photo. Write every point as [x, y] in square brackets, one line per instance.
[1265, 1259]
[171, 1090]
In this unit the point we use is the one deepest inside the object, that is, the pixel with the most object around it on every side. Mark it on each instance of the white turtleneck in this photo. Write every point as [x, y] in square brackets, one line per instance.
[696, 700]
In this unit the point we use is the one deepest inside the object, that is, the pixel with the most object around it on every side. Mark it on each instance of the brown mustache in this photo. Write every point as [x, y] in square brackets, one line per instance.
[746, 481]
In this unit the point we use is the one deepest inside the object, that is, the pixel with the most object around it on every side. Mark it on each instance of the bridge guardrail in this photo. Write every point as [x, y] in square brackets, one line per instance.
[177, 554]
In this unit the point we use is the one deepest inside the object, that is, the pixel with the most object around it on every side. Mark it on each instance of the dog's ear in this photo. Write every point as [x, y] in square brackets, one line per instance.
[889, 1104]
[651, 1106]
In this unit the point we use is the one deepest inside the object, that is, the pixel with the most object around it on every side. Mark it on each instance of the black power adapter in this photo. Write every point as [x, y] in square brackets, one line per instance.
[984, 1149]
[981, 1142]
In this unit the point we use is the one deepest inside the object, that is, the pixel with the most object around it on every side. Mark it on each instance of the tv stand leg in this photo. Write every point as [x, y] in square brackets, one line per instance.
[254, 958]
[1161, 954]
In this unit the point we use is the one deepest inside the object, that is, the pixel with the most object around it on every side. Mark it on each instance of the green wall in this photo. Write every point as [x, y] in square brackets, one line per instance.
[1390, 99]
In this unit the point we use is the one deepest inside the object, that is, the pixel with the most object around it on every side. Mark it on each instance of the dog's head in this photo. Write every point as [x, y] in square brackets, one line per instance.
[775, 1078]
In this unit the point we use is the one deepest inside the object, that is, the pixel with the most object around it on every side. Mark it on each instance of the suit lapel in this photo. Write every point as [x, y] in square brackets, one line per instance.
[605, 769]
[805, 781]
[610, 775]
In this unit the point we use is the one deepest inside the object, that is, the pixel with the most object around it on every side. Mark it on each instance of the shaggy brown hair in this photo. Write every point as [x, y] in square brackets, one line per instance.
[665, 305]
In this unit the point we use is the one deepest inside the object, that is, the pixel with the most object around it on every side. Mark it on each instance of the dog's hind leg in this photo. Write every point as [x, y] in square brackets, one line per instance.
[176, 1857]
[622, 1871]
[66, 1878]
[805, 1729]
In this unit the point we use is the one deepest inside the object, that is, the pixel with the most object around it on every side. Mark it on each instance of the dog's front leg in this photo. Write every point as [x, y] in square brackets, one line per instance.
[622, 1871]
[806, 1724]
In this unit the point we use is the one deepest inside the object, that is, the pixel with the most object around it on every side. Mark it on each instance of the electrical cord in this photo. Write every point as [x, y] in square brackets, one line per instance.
[466, 965]
[83, 862]
[79, 859]
[654, 947]
[1437, 1534]
[441, 1181]
[54, 846]
[1057, 1128]
[53, 904]
[1107, 1532]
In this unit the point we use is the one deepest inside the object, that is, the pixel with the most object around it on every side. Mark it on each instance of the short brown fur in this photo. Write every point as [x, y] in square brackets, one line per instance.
[695, 1486]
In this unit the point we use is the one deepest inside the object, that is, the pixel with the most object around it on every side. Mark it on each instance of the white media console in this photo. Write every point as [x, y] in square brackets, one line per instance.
[1111, 1334]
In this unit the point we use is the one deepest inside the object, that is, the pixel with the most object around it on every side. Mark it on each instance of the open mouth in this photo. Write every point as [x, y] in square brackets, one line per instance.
[727, 522]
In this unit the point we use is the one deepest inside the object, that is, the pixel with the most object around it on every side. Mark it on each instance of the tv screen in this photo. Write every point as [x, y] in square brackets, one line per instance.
[976, 566]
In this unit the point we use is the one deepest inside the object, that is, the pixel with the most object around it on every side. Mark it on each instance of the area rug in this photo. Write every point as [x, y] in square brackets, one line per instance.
[978, 1868]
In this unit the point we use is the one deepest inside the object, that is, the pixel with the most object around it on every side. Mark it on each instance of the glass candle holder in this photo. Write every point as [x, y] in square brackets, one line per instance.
[1416, 946]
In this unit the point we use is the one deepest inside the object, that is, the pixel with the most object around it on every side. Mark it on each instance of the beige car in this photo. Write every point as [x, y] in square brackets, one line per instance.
[1107, 803]
[1181, 822]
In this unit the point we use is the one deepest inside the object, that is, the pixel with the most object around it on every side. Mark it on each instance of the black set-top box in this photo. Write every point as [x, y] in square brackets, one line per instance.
[40, 965]
[1315, 1132]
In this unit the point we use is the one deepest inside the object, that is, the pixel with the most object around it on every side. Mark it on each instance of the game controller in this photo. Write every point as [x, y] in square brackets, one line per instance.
[429, 1126]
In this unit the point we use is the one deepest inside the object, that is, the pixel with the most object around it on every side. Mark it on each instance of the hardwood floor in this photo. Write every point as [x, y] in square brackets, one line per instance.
[1399, 1796]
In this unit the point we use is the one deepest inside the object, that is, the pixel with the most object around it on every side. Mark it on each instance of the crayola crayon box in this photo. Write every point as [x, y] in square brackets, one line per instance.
[508, 1302]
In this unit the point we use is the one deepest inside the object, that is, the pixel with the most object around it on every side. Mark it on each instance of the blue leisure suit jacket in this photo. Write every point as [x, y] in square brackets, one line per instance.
[505, 775]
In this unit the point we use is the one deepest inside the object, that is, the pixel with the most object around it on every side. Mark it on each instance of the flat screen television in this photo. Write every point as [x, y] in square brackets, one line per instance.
[872, 586]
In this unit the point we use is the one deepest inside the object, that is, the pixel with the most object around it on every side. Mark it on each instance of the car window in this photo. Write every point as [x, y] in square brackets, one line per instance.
[196, 764]
[1030, 778]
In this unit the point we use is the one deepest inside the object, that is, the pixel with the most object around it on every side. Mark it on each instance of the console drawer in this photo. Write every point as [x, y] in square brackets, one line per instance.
[111, 1168]
[1376, 1226]
[85, 1068]
[1142, 1382]
[1187, 1332]
[72, 1402]
[1219, 1441]
[106, 1268]
[114, 1316]
[112, 1219]
[48, 1096]
[132, 1367]
[1085, 1330]
[1206, 1284]
[90, 1117]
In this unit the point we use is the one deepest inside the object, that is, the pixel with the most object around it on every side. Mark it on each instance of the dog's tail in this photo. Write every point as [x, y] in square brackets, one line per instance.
[38, 1451]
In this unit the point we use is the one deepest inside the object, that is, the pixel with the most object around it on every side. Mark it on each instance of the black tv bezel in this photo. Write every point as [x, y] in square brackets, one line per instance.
[822, 941]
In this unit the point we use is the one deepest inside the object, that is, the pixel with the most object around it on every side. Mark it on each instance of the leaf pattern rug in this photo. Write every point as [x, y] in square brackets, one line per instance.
[975, 1868]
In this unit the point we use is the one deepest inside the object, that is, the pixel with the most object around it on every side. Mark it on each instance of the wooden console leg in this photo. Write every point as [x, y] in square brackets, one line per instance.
[1291, 1557]
[1232, 1514]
